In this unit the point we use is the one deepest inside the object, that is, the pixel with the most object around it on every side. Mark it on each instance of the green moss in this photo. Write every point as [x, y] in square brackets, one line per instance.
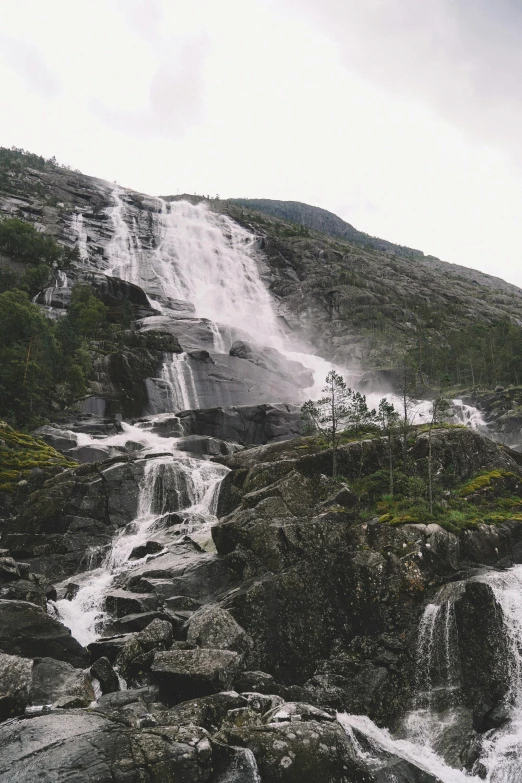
[484, 480]
[403, 519]
[20, 453]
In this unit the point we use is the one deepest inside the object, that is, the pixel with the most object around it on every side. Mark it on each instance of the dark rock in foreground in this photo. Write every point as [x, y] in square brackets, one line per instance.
[27, 630]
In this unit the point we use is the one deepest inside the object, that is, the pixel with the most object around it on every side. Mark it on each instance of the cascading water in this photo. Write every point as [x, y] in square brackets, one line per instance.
[437, 676]
[170, 482]
[438, 697]
[202, 258]
[81, 233]
[207, 259]
[502, 748]
[179, 381]
[124, 249]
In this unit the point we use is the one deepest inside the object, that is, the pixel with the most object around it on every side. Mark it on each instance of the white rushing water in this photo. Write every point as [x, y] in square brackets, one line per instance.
[170, 482]
[502, 748]
[79, 227]
[380, 740]
[438, 704]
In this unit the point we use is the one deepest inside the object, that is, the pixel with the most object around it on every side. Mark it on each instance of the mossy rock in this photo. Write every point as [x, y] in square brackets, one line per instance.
[21, 453]
[484, 481]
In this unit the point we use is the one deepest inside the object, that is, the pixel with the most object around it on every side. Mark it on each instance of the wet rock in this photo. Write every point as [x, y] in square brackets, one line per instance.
[75, 516]
[106, 676]
[115, 701]
[182, 602]
[26, 630]
[203, 445]
[244, 424]
[138, 622]
[292, 711]
[483, 651]
[59, 439]
[168, 426]
[85, 747]
[214, 627]
[206, 711]
[156, 636]
[11, 570]
[186, 674]
[134, 657]
[262, 703]
[150, 548]
[59, 684]
[256, 681]
[89, 454]
[15, 682]
[297, 752]
[108, 646]
[121, 603]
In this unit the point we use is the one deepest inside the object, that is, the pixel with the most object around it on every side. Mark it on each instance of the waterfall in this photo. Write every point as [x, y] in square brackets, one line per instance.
[179, 382]
[379, 742]
[437, 671]
[438, 699]
[81, 233]
[468, 415]
[173, 482]
[502, 749]
[207, 259]
[124, 250]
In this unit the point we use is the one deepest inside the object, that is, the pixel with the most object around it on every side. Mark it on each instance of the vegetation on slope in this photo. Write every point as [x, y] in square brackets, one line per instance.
[21, 453]
[44, 364]
[356, 302]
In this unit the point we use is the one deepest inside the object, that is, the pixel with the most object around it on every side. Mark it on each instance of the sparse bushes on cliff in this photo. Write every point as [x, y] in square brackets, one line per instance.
[23, 242]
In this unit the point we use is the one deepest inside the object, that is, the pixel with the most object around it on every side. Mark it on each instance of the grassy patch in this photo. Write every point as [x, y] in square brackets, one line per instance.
[489, 498]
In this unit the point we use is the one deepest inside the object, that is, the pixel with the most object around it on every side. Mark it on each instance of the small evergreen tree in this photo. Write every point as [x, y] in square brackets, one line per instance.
[439, 411]
[389, 420]
[358, 415]
[329, 412]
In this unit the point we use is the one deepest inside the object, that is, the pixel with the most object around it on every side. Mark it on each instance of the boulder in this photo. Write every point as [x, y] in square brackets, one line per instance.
[59, 684]
[206, 711]
[83, 747]
[204, 445]
[15, 682]
[259, 682]
[26, 630]
[344, 497]
[149, 548]
[120, 603]
[244, 424]
[297, 752]
[138, 622]
[106, 676]
[133, 657]
[186, 674]
[214, 627]
[483, 651]
[61, 440]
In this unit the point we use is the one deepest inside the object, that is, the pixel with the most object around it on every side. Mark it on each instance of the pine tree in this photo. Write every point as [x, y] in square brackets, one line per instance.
[329, 412]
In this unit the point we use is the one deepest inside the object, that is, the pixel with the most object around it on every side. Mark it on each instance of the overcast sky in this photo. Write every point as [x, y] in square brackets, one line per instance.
[404, 117]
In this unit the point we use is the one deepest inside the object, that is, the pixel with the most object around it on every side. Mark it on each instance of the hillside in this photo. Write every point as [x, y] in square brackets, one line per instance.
[362, 306]
[363, 303]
